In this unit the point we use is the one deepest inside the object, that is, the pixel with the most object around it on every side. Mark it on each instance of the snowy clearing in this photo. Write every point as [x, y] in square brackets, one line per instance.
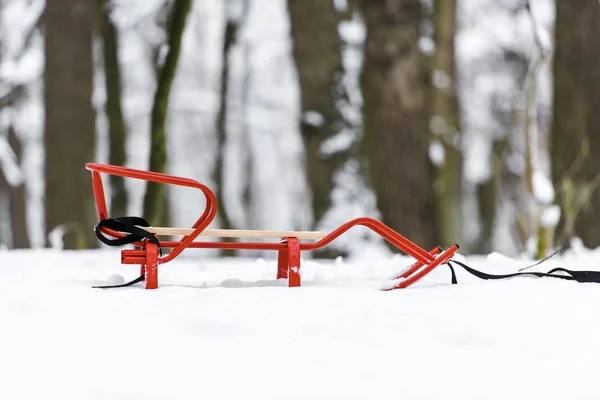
[226, 329]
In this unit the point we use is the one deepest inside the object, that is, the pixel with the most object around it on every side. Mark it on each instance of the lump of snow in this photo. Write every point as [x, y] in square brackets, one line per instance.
[313, 118]
[543, 191]
[437, 154]
[352, 32]
[337, 143]
[550, 216]
[55, 237]
[577, 245]
[426, 45]
[115, 279]
[340, 5]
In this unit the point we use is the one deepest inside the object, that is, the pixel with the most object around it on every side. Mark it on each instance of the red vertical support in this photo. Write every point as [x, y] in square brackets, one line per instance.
[99, 195]
[151, 265]
[294, 276]
[282, 262]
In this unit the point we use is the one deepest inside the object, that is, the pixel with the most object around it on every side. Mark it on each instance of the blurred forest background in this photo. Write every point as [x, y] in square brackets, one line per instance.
[454, 121]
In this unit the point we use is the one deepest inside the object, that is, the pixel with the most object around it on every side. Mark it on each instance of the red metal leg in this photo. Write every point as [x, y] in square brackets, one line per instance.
[151, 266]
[418, 264]
[282, 263]
[441, 259]
[294, 276]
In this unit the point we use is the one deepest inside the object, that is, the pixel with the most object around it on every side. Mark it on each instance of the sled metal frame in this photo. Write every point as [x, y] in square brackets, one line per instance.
[288, 248]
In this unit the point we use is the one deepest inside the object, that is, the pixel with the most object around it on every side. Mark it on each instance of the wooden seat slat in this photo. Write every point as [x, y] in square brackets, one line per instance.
[239, 233]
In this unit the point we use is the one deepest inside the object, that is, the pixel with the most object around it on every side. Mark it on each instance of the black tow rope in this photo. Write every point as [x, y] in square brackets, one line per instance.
[129, 225]
[578, 276]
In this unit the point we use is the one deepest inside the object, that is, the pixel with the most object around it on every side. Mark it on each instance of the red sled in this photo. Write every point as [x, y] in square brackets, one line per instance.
[289, 246]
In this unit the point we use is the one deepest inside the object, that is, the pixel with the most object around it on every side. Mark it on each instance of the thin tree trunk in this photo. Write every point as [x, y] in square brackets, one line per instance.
[444, 110]
[6, 239]
[229, 40]
[396, 137]
[114, 111]
[69, 120]
[154, 200]
[488, 196]
[317, 54]
[575, 137]
[18, 200]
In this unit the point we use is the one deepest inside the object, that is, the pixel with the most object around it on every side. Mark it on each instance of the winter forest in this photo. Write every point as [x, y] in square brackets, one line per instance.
[453, 121]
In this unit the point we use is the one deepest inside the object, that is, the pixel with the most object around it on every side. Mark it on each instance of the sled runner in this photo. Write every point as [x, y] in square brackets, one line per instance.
[148, 254]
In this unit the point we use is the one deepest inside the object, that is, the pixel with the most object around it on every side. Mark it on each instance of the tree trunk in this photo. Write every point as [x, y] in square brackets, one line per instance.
[154, 200]
[114, 111]
[317, 54]
[70, 121]
[396, 137]
[488, 197]
[445, 125]
[18, 200]
[229, 40]
[575, 137]
[5, 218]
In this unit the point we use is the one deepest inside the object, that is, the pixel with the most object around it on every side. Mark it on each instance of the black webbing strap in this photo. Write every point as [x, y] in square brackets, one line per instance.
[578, 276]
[129, 225]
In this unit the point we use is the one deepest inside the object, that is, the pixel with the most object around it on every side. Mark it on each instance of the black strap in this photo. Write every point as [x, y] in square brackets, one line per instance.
[129, 225]
[579, 276]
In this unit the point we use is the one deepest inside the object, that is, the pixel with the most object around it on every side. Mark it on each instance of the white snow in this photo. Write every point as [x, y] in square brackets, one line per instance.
[8, 161]
[550, 216]
[426, 45]
[312, 117]
[21, 65]
[543, 18]
[437, 154]
[341, 141]
[476, 166]
[55, 237]
[340, 5]
[128, 13]
[226, 329]
[352, 32]
[543, 191]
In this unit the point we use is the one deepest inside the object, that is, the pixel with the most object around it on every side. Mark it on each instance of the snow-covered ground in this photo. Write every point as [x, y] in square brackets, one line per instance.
[226, 329]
